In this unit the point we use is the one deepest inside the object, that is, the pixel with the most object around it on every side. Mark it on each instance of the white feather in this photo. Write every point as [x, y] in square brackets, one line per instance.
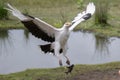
[90, 9]
[79, 18]
[16, 12]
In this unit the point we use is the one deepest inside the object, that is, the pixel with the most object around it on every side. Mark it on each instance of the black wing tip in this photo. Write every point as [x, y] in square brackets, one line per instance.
[87, 16]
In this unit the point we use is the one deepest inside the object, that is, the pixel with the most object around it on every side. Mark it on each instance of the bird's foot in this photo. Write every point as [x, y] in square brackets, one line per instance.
[68, 62]
[70, 68]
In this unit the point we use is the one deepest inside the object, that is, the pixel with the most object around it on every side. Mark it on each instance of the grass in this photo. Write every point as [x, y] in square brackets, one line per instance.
[56, 12]
[58, 73]
[53, 11]
[7, 24]
[3, 12]
[101, 14]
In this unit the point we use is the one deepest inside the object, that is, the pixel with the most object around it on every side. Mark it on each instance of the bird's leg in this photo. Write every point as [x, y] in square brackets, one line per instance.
[69, 67]
[64, 54]
[57, 54]
[60, 61]
[67, 61]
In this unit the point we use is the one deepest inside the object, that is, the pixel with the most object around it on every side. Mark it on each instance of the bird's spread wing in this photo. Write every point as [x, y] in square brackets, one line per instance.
[40, 29]
[36, 26]
[83, 16]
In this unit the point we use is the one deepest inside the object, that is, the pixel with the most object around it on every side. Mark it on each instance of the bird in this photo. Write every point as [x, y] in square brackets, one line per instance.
[56, 37]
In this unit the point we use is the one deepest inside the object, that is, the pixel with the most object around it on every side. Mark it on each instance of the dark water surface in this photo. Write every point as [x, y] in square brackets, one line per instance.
[19, 50]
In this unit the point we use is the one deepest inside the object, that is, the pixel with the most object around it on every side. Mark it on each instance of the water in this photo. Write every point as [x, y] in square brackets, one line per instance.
[19, 51]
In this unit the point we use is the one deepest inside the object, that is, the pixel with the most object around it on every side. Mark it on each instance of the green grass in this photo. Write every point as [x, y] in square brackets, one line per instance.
[101, 15]
[58, 73]
[56, 12]
[3, 12]
[7, 24]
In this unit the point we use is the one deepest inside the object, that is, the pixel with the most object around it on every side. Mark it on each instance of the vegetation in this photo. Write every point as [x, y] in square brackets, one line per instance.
[101, 15]
[80, 3]
[3, 12]
[56, 12]
[58, 73]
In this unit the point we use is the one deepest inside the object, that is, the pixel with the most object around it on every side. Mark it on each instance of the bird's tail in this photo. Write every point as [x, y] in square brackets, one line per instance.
[15, 12]
[46, 48]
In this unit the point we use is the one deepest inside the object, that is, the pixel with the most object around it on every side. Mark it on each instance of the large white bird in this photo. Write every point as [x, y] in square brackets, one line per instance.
[57, 37]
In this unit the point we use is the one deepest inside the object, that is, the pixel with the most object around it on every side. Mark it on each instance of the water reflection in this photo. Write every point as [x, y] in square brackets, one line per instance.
[3, 34]
[102, 45]
[26, 35]
[5, 41]
[23, 52]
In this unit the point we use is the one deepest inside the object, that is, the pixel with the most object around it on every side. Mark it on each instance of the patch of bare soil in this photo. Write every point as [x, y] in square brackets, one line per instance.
[99, 75]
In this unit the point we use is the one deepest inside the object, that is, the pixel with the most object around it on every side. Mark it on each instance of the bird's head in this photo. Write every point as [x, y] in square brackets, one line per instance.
[67, 24]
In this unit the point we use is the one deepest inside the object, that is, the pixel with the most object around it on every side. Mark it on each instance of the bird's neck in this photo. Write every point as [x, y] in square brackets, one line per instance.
[65, 28]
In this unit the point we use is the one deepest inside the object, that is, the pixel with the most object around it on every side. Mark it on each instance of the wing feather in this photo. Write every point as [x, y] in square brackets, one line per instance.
[36, 26]
[83, 16]
[37, 31]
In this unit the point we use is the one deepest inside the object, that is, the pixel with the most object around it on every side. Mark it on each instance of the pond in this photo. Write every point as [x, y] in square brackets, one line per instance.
[19, 50]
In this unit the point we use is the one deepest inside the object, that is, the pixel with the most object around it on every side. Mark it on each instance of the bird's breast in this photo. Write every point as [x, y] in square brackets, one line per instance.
[63, 38]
